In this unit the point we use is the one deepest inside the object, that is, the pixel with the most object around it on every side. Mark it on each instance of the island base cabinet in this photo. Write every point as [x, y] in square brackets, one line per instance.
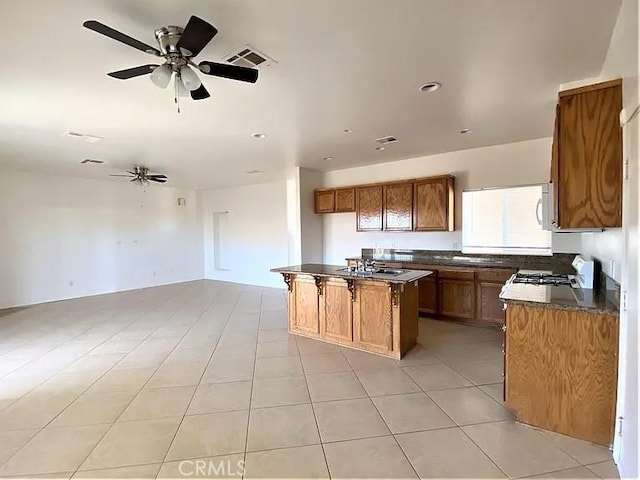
[374, 316]
[303, 306]
[336, 312]
[561, 370]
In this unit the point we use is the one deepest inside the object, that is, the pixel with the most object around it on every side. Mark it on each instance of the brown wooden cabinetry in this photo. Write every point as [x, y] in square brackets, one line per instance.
[428, 294]
[398, 206]
[369, 208]
[324, 201]
[303, 309]
[456, 294]
[346, 199]
[372, 315]
[489, 283]
[561, 370]
[587, 157]
[433, 204]
[336, 311]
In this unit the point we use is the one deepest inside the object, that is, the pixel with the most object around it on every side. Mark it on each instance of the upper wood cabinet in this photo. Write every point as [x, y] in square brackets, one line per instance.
[587, 157]
[433, 208]
[369, 208]
[398, 206]
[324, 201]
[346, 199]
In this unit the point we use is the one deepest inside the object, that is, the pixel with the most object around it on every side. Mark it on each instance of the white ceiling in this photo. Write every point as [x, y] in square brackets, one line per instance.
[341, 64]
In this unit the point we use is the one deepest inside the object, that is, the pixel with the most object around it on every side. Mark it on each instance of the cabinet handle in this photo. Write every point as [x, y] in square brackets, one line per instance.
[504, 328]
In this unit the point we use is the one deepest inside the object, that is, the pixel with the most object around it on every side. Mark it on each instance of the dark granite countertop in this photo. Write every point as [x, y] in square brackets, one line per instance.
[565, 298]
[322, 270]
[557, 263]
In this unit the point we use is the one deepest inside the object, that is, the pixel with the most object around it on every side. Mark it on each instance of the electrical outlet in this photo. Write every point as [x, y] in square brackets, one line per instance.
[154, 273]
[71, 283]
[455, 245]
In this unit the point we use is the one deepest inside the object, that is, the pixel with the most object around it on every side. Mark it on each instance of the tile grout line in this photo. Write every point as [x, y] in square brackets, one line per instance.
[139, 390]
[253, 377]
[56, 416]
[203, 371]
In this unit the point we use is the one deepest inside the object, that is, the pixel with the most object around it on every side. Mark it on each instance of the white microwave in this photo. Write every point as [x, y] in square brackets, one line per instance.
[546, 205]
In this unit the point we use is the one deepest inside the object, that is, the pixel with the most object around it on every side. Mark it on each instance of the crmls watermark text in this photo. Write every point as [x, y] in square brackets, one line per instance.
[210, 468]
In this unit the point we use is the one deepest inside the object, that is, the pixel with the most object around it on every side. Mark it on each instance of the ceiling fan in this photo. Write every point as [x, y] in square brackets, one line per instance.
[178, 46]
[142, 176]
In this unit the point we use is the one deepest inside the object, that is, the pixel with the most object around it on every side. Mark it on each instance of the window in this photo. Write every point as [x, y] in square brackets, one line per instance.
[504, 221]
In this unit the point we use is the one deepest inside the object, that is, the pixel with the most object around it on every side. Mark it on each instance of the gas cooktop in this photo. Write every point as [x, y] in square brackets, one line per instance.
[545, 278]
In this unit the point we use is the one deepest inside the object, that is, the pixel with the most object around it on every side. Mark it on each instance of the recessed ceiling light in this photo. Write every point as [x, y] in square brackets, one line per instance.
[430, 87]
[379, 149]
[327, 158]
[259, 135]
[347, 130]
[465, 130]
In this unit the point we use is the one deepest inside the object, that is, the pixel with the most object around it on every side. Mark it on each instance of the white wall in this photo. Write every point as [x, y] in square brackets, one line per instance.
[257, 236]
[621, 62]
[63, 237]
[502, 165]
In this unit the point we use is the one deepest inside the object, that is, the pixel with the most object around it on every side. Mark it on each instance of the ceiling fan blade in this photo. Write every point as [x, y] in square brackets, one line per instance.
[195, 37]
[156, 176]
[128, 176]
[159, 180]
[120, 37]
[200, 93]
[233, 72]
[133, 72]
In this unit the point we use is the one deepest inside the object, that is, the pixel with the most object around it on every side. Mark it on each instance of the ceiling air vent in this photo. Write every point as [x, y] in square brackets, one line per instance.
[247, 56]
[90, 160]
[386, 140]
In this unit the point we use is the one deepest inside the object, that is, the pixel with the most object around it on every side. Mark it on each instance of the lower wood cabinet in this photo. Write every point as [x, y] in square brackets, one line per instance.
[336, 312]
[373, 317]
[368, 315]
[457, 293]
[561, 370]
[428, 294]
[303, 310]
[489, 283]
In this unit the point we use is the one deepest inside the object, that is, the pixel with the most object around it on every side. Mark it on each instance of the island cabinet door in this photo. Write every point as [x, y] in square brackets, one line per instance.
[372, 317]
[303, 306]
[336, 311]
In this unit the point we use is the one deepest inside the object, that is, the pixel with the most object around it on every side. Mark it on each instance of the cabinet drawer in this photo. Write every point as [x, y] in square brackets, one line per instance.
[456, 274]
[497, 275]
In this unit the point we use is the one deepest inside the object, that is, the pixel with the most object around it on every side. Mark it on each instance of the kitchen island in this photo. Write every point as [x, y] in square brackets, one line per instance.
[375, 311]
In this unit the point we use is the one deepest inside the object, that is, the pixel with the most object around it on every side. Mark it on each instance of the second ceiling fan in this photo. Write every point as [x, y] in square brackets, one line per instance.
[178, 46]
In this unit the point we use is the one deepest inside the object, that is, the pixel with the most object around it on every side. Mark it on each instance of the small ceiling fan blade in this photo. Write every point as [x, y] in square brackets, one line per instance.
[120, 37]
[234, 72]
[159, 180]
[133, 72]
[197, 33]
[156, 176]
[128, 176]
[200, 93]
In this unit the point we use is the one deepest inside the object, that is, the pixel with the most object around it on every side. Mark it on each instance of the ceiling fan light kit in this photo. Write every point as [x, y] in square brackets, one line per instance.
[178, 46]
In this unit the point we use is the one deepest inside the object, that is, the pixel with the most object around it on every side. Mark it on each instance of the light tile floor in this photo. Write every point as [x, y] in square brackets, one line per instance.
[200, 379]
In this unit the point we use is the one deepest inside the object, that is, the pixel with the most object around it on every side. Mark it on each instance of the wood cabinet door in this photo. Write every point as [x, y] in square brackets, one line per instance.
[428, 294]
[590, 159]
[336, 311]
[490, 307]
[555, 158]
[346, 199]
[373, 317]
[433, 204]
[457, 298]
[398, 206]
[324, 201]
[303, 307]
[369, 208]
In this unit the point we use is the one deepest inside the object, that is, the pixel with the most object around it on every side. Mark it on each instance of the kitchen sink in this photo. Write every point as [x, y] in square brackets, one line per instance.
[390, 271]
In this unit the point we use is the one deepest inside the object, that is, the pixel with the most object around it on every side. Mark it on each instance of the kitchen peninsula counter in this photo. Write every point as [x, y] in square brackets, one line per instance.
[374, 312]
